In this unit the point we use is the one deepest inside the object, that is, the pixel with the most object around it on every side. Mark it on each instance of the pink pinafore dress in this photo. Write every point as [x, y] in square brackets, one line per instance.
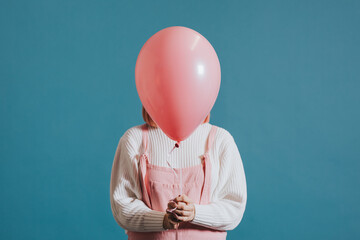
[159, 185]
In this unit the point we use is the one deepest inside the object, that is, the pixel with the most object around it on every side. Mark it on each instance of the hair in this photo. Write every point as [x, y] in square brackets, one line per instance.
[151, 122]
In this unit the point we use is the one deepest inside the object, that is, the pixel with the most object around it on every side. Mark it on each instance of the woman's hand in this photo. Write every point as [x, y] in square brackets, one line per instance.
[185, 209]
[169, 222]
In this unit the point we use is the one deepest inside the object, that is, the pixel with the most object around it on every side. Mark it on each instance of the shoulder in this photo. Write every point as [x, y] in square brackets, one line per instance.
[132, 133]
[227, 149]
[131, 138]
[224, 141]
[222, 135]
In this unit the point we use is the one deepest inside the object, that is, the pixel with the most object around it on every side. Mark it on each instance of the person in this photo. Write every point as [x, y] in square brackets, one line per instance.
[196, 192]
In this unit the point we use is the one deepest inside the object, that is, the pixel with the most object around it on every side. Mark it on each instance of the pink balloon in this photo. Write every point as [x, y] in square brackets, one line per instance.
[177, 76]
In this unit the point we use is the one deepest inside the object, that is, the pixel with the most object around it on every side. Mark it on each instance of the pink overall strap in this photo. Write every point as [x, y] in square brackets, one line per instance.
[142, 166]
[205, 191]
[144, 128]
[210, 139]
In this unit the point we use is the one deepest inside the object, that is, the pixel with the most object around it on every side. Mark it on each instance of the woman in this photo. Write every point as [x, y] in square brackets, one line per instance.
[197, 192]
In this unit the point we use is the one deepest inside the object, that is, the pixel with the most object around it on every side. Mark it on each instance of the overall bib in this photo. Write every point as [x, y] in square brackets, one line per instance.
[159, 185]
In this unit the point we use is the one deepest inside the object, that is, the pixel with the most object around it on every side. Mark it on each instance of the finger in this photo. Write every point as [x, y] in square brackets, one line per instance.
[172, 205]
[183, 213]
[183, 219]
[183, 198]
[187, 199]
[173, 218]
[174, 222]
[183, 206]
[178, 198]
[175, 226]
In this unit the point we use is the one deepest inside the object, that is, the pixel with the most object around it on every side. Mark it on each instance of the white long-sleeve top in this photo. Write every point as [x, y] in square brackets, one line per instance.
[228, 184]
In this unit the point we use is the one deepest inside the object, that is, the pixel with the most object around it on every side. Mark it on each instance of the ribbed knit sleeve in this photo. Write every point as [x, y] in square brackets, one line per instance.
[129, 211]
[226, 210]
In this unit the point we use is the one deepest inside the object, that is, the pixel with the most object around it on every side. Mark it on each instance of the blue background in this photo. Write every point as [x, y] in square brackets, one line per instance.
[289, 96]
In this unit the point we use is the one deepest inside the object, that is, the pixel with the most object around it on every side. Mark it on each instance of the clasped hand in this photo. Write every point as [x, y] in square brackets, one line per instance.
[180, 209]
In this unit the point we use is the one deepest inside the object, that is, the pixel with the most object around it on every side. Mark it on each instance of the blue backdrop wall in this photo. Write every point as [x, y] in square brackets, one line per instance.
[289, 96]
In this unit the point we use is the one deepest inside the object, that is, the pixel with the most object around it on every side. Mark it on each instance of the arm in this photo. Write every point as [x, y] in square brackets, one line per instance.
[227, 209]
[129, 211]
